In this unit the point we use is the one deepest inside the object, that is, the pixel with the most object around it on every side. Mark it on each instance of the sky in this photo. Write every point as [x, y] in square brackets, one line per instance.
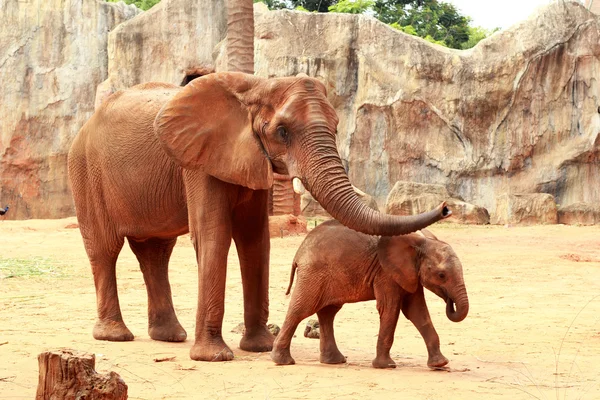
[497, 13]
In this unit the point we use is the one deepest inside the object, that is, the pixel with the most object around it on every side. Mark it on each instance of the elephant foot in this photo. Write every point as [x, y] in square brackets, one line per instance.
[257, 341]
[216, 350]
[171, 332]
[282, 357]
[383, 362]
[333, 357]
[437, 361]
[112, 331]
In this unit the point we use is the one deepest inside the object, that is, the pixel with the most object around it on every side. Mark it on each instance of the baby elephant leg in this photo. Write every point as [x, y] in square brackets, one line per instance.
[415, 309]
[330, 354]
[297, 311]
[388, 304]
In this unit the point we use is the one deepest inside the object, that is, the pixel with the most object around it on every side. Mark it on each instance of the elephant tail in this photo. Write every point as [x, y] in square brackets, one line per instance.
[294, 266]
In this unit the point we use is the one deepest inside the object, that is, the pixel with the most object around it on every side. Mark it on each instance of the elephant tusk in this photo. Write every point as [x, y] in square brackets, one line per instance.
[298, 186]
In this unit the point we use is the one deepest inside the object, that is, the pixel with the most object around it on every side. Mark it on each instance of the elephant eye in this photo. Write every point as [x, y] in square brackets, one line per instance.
[283, 134]
[442, 275]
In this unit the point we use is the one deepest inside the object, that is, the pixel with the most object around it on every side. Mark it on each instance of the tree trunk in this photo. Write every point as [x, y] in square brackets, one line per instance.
[240, 36]
[70, 375]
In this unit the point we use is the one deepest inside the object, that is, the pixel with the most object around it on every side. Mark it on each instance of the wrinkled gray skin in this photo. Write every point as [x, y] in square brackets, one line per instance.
[336, 265]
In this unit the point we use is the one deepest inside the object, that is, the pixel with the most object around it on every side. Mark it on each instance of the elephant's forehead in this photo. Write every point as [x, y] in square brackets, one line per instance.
[441, 252]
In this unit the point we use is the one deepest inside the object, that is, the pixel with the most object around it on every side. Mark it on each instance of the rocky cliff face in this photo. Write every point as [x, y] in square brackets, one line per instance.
[172, 42]
[52, 58]
[516, 114]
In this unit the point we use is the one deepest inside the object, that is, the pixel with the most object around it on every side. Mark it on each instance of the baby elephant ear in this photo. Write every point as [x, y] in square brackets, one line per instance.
[427, 233]
[398, 259]
[207, 126]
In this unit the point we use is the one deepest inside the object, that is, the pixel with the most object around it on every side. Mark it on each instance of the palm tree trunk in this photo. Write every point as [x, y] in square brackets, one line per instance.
[240, 36]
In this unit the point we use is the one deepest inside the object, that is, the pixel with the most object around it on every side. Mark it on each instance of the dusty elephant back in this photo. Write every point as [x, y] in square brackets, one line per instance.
[335, 254]
[117, 156]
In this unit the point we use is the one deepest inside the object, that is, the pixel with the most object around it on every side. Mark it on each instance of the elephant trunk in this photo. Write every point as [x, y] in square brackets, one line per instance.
[460, 298]
[325, 178]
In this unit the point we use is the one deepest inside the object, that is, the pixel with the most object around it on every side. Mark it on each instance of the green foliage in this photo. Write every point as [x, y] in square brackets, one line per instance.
[477, 34]
[313, 5]
[273, 4]
[434, 20]
[352, 6]
[300, 8]
[432, 40]
[141, 4]
[25, 268]
[406, 29]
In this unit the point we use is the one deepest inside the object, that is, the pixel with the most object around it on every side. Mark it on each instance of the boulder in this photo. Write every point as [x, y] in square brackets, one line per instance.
[312, 329]
[465, 213]
[286, 225]
[525, 209]
[52, 57]
[579, 214]
[241, 329]
[409, 198]
[310, 207]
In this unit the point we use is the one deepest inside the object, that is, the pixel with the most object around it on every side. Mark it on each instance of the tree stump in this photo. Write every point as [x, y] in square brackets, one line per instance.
[69, 375]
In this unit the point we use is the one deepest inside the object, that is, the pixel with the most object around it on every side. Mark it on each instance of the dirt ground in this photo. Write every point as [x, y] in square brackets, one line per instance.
[533, 330]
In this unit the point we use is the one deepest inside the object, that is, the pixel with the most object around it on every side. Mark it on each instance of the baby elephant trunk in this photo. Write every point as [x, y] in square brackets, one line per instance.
[461, 300]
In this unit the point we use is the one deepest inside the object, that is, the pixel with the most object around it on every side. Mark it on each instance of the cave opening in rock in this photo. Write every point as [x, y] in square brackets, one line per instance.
[188, 78]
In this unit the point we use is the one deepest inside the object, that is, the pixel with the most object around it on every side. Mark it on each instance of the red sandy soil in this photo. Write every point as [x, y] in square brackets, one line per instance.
[533, 330]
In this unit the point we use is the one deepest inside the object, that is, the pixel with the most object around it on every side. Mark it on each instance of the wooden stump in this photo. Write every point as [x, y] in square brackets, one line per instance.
[69, 375]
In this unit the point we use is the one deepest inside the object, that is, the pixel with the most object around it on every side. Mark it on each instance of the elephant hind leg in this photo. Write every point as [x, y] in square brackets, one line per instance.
[153, 255]
[299, 309]
[330, 354]
[103, 255]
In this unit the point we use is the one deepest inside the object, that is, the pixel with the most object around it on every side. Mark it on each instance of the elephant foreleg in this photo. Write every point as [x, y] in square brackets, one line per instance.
[251, 236]
[330, 354]
[388, 304]
[103, 254]
[153, 255]
[209, 210]
[415, 309]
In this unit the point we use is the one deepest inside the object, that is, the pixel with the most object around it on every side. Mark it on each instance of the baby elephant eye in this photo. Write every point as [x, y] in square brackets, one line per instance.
[441, 275]
[283, 133]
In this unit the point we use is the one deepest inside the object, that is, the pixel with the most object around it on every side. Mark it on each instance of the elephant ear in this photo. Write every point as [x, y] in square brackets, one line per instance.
[427, 233]
[398, 259]
[206, 126]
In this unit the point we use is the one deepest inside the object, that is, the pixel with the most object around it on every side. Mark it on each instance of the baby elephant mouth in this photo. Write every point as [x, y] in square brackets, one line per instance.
[450, 310]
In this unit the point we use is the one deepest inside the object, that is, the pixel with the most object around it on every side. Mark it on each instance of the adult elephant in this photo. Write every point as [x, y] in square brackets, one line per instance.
[157, 160]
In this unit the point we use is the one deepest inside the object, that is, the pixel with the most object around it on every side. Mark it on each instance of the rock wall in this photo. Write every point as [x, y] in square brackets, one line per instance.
[516, 114]
[173, 40]
[52, 57]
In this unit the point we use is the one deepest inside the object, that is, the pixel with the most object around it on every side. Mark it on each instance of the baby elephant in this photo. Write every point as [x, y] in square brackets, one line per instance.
[336, 265]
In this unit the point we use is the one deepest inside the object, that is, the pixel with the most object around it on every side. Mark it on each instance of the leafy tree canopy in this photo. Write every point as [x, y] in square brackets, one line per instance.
[433, 20]
[141, 4]
[352, 6]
